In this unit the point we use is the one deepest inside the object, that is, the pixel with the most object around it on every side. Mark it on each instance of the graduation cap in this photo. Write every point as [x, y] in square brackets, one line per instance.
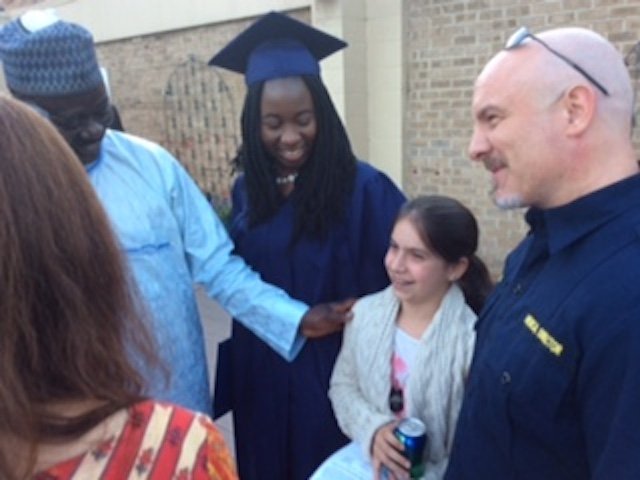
[277, 46]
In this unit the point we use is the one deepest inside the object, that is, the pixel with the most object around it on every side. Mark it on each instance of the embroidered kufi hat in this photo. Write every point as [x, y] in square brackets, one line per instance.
[44, 56]
[277, 46]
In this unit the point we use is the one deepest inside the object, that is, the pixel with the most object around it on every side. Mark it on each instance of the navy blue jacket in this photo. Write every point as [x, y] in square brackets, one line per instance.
[554, 387]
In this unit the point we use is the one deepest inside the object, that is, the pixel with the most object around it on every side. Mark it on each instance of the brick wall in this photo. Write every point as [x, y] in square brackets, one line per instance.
[447, 44]
[139, 69]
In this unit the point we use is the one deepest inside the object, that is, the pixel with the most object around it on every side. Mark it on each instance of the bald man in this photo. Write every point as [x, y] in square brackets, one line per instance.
[554, 388]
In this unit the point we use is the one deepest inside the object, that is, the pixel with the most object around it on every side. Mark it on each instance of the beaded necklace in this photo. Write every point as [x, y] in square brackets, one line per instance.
[286, 179]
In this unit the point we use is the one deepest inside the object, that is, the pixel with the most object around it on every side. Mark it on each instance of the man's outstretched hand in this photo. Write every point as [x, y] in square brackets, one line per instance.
[326, 318]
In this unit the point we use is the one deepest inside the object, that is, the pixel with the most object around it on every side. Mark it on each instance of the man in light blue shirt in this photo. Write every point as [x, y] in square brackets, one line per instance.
[170, 233]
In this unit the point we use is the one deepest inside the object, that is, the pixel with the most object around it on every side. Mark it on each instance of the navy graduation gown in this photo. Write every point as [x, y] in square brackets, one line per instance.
[283, 422]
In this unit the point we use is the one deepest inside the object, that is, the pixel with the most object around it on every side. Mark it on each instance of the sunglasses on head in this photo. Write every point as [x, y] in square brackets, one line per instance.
[520, 35]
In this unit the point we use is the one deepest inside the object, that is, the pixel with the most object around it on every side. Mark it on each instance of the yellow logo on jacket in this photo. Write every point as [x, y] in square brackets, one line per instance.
[553, 345]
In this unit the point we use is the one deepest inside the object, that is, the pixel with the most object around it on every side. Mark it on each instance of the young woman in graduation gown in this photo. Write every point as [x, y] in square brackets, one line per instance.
[311, 219]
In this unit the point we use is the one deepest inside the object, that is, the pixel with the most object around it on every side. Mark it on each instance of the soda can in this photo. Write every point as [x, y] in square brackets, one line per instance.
[413, 435]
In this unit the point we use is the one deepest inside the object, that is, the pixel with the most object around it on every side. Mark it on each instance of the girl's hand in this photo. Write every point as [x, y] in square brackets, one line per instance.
[386, 453]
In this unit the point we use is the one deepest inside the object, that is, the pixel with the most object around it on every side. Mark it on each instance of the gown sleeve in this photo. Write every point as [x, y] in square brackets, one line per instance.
[373, 215]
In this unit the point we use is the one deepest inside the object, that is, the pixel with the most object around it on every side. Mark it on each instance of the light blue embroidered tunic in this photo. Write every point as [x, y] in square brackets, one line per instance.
[173, 239]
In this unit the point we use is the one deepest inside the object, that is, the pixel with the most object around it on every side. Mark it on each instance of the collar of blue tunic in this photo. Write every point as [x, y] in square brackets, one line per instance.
[568, 223]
